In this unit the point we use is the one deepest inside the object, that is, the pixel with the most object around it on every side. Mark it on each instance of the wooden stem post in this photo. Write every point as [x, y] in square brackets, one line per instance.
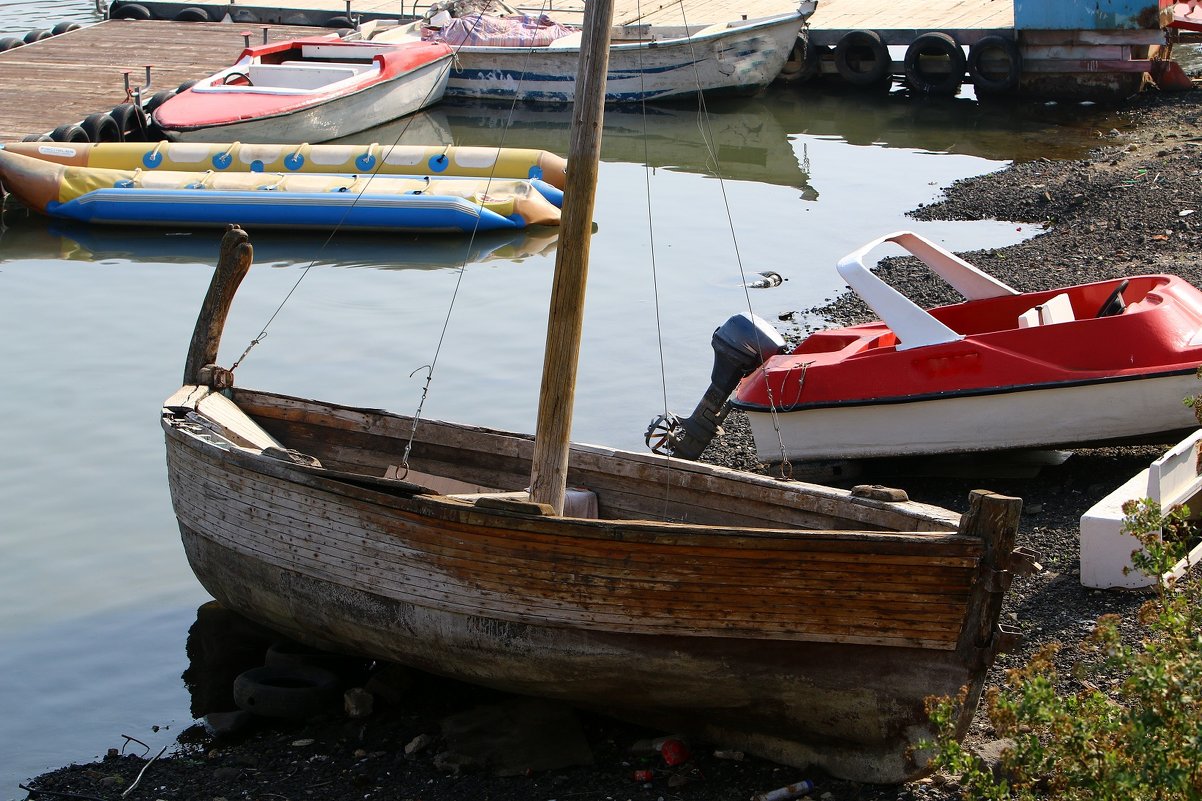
[232, 265]
[548, 478]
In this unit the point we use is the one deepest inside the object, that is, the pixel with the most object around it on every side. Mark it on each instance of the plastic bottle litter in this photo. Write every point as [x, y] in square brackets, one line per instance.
[767, 279]
[674, 752]
[795, 790]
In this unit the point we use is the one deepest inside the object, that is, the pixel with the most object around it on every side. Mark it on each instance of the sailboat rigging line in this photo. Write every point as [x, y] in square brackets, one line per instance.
[429, 368]
[334, 231]
[659, 329]
[703, 123]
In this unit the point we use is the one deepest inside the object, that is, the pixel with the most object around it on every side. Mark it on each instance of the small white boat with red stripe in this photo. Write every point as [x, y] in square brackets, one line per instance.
[308, 90]
[1098, 363]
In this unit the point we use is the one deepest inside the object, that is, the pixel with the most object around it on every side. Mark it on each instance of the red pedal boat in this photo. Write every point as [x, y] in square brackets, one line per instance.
[1097, 363]
[308, 90]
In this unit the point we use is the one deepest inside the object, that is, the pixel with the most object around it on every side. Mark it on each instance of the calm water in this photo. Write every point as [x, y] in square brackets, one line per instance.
[95, 594]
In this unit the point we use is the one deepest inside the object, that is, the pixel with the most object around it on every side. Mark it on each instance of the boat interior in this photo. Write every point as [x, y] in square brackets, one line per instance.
[1001, 314]
[466, 464]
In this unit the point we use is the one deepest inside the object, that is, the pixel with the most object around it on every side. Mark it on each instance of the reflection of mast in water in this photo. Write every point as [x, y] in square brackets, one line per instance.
[36, 237]
[744, 134]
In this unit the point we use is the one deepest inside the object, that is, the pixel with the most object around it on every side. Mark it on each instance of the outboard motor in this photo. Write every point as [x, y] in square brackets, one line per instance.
[741, 344]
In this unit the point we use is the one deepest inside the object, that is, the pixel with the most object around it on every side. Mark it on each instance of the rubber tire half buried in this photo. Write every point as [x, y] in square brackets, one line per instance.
[984, 78]
[296, 693]
[9, 42]
[36, 36]
[863, 60]
[935, 46]
[101, 127]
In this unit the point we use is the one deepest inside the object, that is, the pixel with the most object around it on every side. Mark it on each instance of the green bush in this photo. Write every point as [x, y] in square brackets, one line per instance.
[1139, 739]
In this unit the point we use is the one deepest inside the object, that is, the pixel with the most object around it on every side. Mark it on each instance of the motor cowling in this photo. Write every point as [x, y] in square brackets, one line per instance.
[740, 345]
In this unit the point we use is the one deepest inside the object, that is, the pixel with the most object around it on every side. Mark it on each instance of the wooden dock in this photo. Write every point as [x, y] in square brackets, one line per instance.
[65, 78]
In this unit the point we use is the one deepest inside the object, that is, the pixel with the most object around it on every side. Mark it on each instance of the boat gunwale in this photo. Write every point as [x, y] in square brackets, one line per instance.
[402, 496]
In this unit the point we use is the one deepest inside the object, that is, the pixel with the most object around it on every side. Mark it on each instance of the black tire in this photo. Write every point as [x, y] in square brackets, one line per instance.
[804, 62]
[192, 14]
[131, 121]
[101, 127]
[863, 60]
[158, 99]
[295, 692]
[64, 27]
[984, 74]
[37, 138]
[69, 132]
[9, 42]
[935, 64]
[36, 36]
[185, 86]
[131, 11]
[340, 21]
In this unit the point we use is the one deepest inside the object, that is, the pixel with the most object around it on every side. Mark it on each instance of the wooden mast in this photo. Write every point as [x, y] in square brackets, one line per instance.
[549, 476]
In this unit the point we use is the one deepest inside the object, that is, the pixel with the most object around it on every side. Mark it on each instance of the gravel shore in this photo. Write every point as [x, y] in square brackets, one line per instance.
[1127, 208]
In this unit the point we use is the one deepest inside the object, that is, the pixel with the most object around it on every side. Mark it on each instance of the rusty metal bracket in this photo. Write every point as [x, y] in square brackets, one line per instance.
[1024, 561]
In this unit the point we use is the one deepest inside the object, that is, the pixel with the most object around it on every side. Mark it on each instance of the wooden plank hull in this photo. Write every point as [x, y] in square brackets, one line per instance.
[807, 627]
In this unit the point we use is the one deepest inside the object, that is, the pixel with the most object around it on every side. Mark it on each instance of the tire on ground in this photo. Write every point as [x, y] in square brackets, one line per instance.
[295, 692]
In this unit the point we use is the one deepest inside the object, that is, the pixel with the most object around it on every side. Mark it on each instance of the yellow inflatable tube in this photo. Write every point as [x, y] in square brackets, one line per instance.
[434, 160]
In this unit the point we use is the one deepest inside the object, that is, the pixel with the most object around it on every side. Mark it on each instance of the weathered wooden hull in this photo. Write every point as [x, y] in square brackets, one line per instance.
[807, 627]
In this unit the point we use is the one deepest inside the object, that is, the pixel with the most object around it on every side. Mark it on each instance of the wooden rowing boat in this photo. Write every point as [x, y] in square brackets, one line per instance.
[800, 622]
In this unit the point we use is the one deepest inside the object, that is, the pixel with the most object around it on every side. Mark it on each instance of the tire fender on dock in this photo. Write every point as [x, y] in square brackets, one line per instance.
[131, 11]
[193, 14]
[804, 62]
[131, 121]
[983, 58]
[863, 60]
[101, 127]
[935, 64]
[9, 42]
[69, 132]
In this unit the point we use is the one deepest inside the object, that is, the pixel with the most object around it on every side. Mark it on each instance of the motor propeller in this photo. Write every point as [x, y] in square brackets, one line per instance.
[740, 345]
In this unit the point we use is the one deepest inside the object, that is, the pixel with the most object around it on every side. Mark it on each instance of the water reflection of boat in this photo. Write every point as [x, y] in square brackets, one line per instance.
[36, 237]
[743, 135]
[998, 131]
